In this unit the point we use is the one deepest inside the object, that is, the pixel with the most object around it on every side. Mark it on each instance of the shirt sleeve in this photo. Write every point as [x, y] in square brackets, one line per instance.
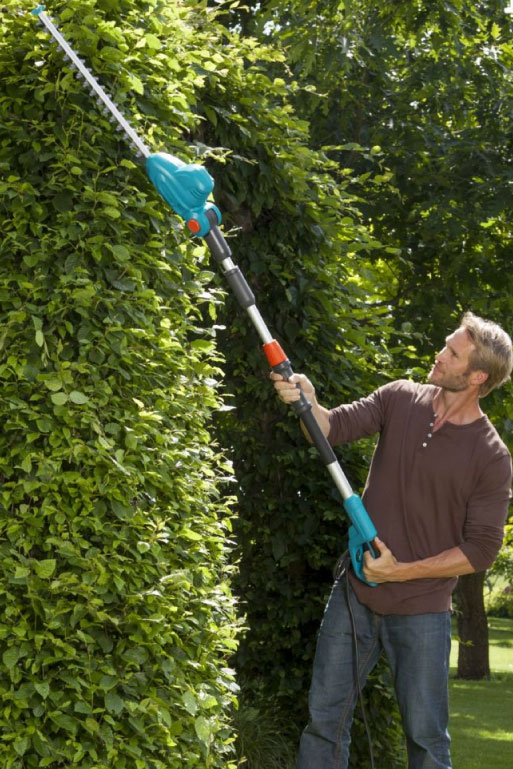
[487, 512]
[362, 418]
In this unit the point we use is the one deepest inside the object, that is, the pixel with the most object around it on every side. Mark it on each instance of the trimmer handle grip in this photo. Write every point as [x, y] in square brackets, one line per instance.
[280, 364]
[285, 370]
[362, 532]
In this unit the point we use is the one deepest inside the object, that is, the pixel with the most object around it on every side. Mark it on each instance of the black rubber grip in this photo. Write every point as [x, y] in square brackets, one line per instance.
[216, 243]
[240, 287]
[303, 408]
[319, 439]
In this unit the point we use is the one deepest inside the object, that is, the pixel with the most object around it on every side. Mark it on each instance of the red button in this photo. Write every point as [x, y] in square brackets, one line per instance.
[194, 225]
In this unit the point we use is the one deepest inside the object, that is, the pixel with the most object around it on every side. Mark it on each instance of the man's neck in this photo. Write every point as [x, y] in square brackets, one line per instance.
[459, 408]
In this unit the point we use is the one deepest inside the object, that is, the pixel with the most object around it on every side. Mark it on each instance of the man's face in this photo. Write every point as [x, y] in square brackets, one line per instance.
[452, 369]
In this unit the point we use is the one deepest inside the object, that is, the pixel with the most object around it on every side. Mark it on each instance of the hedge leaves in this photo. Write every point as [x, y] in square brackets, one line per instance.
[117, 619]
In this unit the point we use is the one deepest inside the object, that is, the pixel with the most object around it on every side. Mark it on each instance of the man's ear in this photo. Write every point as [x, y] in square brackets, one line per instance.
[478, 377]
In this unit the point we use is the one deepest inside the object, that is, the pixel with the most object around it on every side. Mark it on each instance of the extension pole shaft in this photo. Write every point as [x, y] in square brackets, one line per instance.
[362, 531]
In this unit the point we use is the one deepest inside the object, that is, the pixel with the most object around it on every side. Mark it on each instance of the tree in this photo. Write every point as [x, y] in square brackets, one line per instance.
[445, 120]
[473, 657]
[430, 84]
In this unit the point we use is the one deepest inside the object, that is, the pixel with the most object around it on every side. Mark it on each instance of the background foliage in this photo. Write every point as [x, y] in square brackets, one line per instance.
[426, 88]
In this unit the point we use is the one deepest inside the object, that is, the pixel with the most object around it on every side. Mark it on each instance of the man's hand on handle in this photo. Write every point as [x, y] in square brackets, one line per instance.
[383, 568]
[288, 391]
[386, 568]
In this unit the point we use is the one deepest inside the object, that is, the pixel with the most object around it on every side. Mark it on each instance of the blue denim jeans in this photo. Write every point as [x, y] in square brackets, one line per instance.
[417, 648]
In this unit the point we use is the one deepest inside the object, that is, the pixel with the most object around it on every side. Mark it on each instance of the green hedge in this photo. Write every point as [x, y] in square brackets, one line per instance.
[117, 620]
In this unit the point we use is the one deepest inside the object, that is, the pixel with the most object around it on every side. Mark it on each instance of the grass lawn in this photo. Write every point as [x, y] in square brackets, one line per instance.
[481, 723]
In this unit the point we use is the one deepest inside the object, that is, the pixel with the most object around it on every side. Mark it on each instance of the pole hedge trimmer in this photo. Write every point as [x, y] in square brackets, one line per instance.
[186, 187]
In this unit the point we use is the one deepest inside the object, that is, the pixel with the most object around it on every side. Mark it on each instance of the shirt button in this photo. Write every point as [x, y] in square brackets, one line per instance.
[430, 435]
[424, 445]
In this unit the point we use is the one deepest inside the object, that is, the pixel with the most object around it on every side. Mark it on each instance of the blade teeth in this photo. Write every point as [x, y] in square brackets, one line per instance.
[80, 76]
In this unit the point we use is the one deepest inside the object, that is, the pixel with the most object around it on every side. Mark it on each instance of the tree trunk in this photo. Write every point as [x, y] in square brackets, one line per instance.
[473, 658]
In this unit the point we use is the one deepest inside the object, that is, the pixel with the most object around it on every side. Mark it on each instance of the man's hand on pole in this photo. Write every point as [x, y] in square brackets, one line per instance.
[288, 391]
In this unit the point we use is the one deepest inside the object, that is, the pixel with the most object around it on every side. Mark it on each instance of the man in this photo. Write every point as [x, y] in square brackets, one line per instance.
[437, 491]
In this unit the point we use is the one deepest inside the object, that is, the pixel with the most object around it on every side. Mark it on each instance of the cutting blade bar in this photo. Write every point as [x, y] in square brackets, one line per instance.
[91, 80]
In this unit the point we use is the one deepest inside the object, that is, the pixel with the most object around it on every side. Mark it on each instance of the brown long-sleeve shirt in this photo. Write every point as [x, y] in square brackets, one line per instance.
[426, 492]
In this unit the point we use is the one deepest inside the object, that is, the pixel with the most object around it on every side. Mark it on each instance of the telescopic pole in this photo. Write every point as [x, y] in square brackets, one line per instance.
[362, 531]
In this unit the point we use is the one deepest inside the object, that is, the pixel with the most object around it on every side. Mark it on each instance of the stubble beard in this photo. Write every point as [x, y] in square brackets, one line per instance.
[453, 384]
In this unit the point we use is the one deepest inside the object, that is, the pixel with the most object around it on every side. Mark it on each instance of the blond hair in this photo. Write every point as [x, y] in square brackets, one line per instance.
[492, 351]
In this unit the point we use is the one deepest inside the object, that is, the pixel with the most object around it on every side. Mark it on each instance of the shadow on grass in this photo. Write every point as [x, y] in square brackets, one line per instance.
[499, 632]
